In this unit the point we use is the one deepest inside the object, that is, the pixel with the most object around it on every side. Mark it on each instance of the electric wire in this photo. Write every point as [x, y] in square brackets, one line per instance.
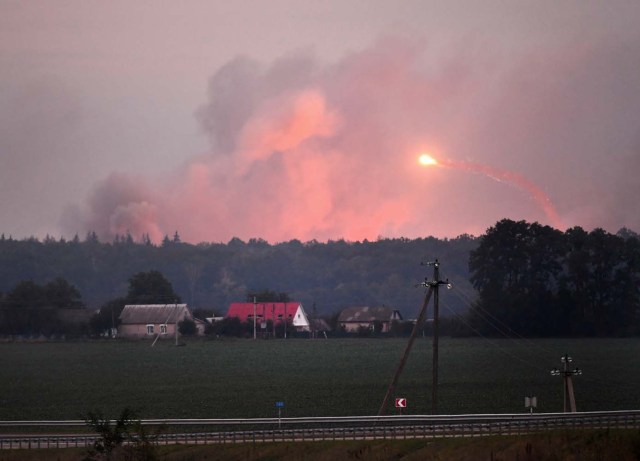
[502, 328]
[493, 343]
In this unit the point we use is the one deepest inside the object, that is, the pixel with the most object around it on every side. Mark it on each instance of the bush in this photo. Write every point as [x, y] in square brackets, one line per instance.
[111, 443]
[187, 327]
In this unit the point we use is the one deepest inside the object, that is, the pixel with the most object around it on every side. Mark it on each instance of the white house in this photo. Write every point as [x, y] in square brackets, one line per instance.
[151, 320]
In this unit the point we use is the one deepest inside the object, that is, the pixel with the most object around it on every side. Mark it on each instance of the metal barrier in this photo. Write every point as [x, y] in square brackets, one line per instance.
[326, 428]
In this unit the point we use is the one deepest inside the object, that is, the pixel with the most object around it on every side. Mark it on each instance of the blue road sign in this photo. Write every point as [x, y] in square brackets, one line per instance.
[279, 404]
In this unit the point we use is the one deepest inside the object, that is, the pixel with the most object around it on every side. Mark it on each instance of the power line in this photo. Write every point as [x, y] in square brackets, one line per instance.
[493, 343]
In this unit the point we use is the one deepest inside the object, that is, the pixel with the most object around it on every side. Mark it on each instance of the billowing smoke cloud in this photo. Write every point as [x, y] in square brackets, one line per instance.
[301, 149]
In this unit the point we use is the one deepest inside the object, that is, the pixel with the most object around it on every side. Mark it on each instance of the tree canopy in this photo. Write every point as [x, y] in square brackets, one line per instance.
[540, 281]
[33, 309]
[333, 274]
[531, 278]
[151, 288]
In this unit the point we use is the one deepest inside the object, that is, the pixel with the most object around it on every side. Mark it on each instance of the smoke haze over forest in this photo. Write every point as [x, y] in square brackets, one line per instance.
[306, 122]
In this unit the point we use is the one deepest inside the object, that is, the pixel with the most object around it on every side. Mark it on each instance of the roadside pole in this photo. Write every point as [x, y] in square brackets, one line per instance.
[279, 406]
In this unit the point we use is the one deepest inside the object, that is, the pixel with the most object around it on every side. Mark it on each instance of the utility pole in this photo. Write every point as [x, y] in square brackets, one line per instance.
[176, 310]
[435, 284]
[112, 333]
[432, 288]
[567, 375]
[405, 356]
[254, 316]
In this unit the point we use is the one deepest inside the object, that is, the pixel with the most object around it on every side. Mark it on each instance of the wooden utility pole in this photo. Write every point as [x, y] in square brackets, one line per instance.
[176, 320]
[273, 319]
[435, 284]
[432, 290]
[405, 356]
[436, 315]
[254, 316]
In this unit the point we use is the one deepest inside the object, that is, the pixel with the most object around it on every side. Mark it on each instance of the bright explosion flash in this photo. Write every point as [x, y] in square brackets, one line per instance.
[500, 175]
[426, 160]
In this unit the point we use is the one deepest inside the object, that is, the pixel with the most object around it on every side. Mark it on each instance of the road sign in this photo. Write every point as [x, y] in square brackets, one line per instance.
[531, 403]
[279, 406]
[401, 402]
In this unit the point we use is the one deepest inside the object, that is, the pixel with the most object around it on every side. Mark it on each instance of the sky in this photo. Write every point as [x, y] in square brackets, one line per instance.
[283, 119]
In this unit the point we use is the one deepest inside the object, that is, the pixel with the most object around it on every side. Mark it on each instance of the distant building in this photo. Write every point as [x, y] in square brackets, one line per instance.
[318, 327]
[151, 320]
[213, 320]
[353, 318]
[292, 312]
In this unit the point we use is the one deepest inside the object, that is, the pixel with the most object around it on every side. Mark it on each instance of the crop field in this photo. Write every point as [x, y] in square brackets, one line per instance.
[244, 378]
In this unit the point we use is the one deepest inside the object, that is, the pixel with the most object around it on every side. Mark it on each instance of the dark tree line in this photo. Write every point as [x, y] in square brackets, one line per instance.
[540, 281]
[33, 309]
[333, 275]
[56, 308]
[531, 278]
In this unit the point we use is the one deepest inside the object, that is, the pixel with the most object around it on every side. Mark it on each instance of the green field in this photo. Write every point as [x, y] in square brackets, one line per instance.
[244, 378]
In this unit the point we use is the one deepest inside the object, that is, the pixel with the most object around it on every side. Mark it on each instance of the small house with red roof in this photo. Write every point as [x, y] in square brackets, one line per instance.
[292, 312]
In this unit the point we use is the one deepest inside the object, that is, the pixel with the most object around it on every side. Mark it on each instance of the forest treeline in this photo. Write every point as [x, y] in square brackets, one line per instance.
[327, 276]
[518, 278]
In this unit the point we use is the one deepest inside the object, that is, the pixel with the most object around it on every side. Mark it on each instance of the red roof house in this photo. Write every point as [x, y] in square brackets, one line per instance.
[292, 312]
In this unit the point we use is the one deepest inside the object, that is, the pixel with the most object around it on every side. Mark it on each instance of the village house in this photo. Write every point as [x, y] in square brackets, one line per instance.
[318, 327]
[152, 320]
[354, 318]
[292, 312]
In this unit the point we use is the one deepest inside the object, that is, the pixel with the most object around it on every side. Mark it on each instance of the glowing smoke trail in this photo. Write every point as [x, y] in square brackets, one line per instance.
[500, 175]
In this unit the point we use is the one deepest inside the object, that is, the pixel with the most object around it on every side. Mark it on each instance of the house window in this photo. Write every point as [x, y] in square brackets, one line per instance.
[149, 329]
[163, 329]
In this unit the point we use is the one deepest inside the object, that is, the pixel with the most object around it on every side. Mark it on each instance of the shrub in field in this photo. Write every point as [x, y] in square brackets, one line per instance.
[126, 439]
[231, 327]
[187, 327]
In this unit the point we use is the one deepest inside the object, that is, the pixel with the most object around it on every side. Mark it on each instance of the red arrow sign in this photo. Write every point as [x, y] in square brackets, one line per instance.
[401, 402]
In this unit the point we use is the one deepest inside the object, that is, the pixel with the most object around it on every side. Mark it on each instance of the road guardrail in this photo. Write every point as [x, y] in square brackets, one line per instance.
[243, 430]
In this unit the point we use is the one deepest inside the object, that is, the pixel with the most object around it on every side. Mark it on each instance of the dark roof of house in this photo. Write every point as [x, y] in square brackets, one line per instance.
[153, 313]
[369, 314]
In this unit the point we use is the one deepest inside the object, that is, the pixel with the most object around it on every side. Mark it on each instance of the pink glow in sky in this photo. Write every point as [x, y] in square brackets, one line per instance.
[282, 120]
